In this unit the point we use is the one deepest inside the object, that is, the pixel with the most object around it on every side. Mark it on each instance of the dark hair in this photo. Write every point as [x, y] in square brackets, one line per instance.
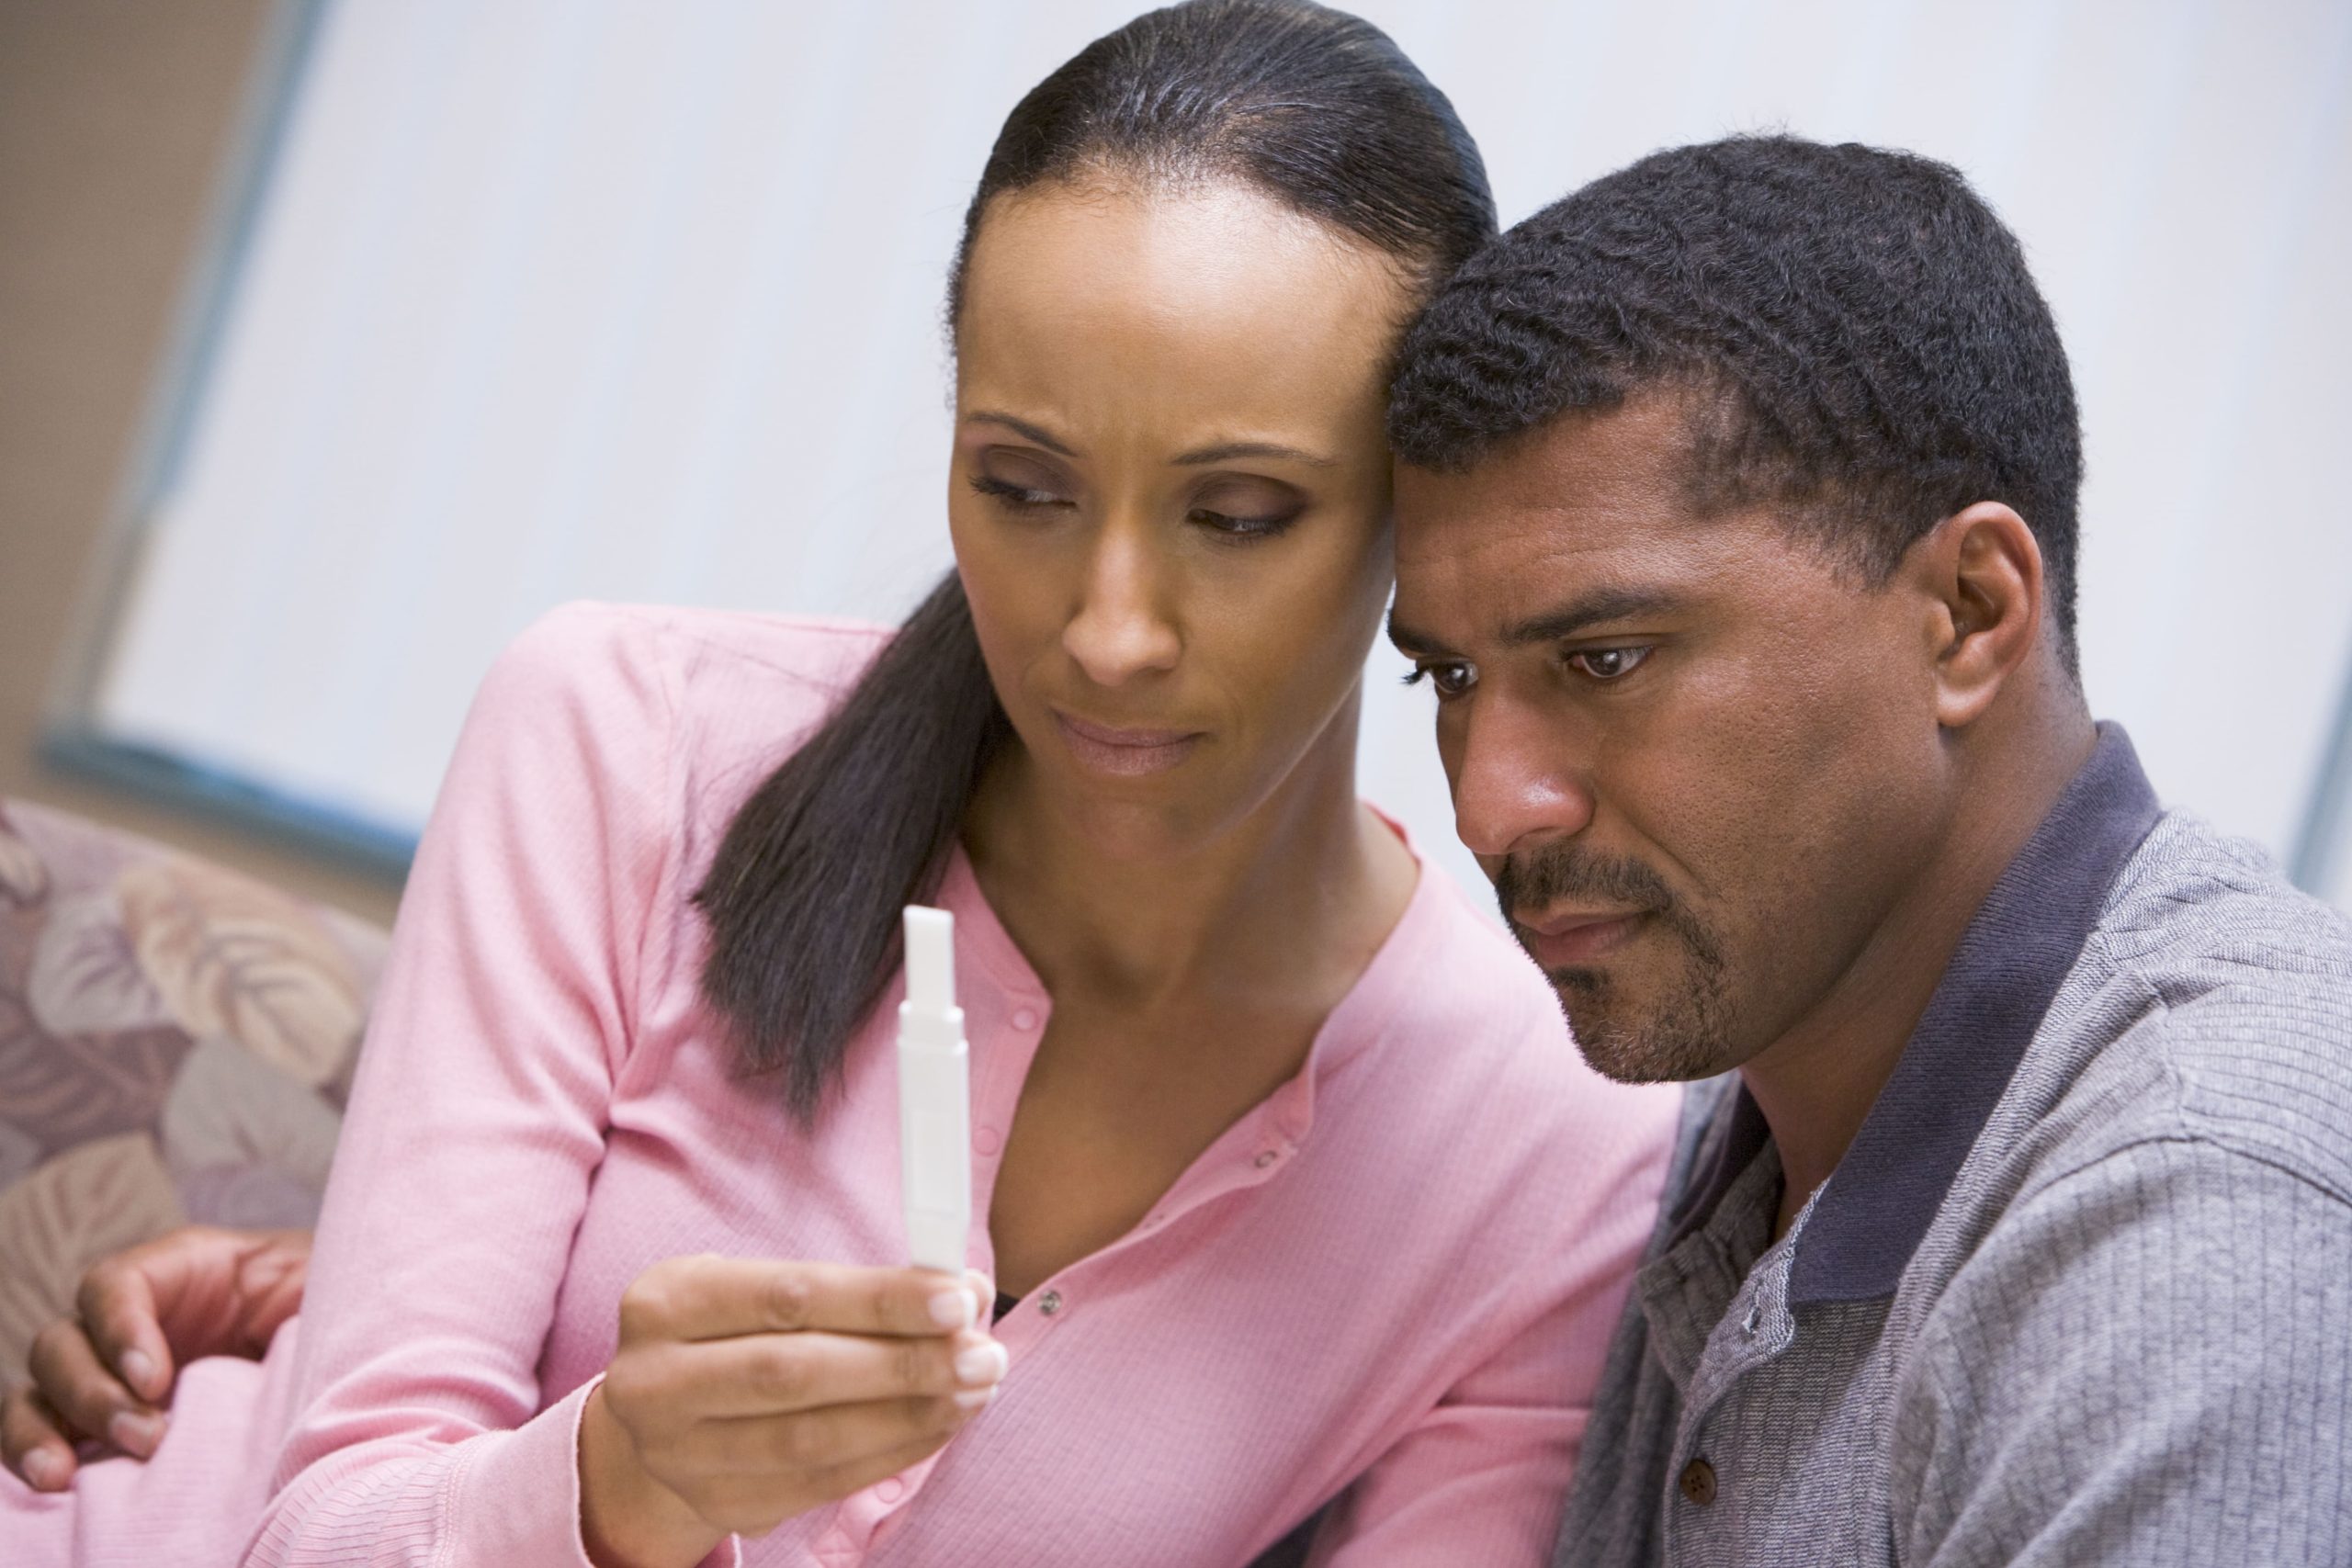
[1858, 335]
[1316, 107]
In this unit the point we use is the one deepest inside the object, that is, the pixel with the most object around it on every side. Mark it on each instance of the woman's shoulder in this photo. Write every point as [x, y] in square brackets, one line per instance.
[716, 681]
[711, 700]
[688, 647]
[1467, 1022]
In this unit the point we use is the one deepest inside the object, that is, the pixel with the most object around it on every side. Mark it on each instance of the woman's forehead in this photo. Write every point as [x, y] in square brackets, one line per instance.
[1211, 280]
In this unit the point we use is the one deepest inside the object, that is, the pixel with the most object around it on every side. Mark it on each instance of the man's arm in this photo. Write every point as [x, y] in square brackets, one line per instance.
[2147, 1363]
[104, 1374]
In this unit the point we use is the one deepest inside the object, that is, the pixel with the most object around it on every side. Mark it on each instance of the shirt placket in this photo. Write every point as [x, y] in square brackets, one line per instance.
[1250, 1154]
[1001, 1058]
[1756, 1328]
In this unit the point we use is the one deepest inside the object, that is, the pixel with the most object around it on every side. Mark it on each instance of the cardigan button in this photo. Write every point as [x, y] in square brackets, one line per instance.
[1049, 1304]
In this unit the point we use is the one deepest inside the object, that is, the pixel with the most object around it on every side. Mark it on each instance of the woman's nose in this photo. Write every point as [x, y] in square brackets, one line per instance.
[1122, 629]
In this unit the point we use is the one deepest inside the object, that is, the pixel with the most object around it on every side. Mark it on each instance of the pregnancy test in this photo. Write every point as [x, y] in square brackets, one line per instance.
[935, 1098]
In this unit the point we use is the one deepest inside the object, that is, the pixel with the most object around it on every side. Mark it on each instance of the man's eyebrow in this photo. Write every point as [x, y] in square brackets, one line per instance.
[1409, 642]
[1601, 605]
[1225, 452]
[1022, 428]
[1564, 621]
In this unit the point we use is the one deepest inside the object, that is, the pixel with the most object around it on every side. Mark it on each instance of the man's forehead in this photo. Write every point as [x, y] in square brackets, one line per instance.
[1485, 556]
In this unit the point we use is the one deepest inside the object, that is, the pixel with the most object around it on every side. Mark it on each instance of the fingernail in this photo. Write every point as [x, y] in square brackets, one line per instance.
[982, 1363]
[138, 1371]
[952, 1309]
[973, 1398]
[48, 1472]
[136, 1434]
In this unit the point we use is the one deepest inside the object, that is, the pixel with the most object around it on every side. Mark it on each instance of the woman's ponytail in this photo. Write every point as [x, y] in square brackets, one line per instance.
[803, 897]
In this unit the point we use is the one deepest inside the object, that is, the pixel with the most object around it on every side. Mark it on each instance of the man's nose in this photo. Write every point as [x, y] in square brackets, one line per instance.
[1517, 778]
[1122, 628]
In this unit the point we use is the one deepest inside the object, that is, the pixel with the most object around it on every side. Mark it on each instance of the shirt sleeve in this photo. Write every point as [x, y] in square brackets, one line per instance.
[2149, 1363]
[476, 1120]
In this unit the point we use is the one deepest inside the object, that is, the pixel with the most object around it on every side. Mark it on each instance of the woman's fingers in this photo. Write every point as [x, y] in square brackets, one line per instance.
[747, 1389]
[817, 1443]
[80, 1388]
[717, 1298]
[767, 1374]
[35, 1441]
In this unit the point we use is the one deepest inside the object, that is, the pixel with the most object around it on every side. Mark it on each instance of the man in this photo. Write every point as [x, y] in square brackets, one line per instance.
[2013, 1221]
[1735, 531]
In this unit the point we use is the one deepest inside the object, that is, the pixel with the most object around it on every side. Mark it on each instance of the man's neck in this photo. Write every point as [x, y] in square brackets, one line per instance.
[1816, 1084]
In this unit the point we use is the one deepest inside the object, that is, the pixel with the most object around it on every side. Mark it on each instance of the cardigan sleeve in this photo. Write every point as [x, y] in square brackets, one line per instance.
[476, 1120]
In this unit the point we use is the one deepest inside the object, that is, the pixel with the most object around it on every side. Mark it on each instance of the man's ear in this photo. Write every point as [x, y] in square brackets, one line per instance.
[1981, 570]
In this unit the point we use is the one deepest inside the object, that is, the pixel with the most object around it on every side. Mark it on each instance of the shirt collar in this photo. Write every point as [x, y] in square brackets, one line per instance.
[2018, 948]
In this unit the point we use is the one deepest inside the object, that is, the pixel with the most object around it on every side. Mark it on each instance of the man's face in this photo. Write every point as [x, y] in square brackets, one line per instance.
[1699, 760]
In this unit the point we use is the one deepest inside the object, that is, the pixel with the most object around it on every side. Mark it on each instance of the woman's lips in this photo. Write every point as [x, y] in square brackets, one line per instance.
[1126, 753]
[1569, 939]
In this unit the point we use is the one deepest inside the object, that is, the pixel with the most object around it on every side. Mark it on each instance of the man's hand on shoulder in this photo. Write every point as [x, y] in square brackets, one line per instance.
[103, 1377]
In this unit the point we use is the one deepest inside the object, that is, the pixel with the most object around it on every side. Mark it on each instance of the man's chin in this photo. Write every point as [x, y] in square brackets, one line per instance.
[1634, 1045]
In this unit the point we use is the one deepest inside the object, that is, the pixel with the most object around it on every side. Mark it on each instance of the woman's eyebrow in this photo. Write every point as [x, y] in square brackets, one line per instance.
[1227, 451]
[1022, 428]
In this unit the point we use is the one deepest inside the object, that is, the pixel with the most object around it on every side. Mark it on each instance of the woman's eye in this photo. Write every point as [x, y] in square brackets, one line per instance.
[1451, 677]
[1240, 528]
[1608, 663]
[1012, 494]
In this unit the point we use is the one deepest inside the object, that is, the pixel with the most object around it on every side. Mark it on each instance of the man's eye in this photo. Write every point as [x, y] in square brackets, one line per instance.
[1452, 678]
[1608, 663]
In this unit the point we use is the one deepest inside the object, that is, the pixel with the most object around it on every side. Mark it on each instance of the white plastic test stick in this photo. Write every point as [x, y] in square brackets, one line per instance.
[934, 1097]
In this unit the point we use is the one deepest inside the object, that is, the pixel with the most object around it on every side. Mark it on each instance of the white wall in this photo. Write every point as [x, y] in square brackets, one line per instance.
[636, 299]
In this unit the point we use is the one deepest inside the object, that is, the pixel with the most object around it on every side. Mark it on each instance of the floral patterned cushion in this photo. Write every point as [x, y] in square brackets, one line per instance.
[176, 1044]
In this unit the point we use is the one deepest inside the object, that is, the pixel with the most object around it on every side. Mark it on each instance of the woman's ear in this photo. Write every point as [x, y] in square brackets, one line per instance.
[1981, 570]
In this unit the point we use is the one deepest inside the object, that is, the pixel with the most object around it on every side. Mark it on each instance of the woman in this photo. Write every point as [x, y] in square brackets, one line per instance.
[1291, 1187]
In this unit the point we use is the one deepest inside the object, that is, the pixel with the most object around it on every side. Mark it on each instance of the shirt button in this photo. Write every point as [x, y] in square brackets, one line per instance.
[986, 1140]
[1265, 1157]
[1049, 1304]
[890, 1491]
[1699, 1481]
[1024, 1018]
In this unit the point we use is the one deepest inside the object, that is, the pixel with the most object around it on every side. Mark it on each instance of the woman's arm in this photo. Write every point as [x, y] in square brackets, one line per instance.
[476, 1120]
[741, 1391]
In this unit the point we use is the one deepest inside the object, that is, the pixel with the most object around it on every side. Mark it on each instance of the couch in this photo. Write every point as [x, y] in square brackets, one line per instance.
[176, 1045]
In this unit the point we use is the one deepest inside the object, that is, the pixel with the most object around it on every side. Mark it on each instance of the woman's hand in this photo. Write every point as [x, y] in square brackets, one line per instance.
[745, 1391]
[104, 1374]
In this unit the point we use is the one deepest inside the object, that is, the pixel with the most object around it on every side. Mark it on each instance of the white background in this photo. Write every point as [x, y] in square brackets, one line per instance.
[639, 300]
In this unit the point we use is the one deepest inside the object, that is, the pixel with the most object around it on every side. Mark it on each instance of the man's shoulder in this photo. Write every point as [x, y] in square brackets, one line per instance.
[2243, 1037]
[2194, 909]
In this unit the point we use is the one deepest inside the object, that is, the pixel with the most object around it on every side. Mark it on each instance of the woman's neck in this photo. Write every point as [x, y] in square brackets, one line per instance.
[1251, 909]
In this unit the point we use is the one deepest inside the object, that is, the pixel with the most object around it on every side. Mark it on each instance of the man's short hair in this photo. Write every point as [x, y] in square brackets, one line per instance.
[1856, 334]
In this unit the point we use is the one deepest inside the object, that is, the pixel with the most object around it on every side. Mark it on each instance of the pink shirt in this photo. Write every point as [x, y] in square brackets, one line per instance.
[1396, 1276]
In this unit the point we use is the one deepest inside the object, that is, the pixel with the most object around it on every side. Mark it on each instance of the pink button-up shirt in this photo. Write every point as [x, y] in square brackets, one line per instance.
[1392, 1280]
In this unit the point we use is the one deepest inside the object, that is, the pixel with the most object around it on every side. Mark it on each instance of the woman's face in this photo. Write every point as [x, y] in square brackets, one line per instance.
[1170, 495]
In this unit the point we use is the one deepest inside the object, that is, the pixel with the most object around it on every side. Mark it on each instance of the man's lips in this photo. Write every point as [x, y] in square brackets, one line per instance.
[1562, 939]
[1127, 753]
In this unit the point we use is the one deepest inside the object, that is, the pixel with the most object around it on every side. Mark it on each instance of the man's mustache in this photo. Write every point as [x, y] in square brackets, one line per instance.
[1533, 880]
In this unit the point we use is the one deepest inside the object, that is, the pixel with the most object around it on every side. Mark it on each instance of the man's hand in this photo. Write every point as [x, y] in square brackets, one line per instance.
[105, 1375]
